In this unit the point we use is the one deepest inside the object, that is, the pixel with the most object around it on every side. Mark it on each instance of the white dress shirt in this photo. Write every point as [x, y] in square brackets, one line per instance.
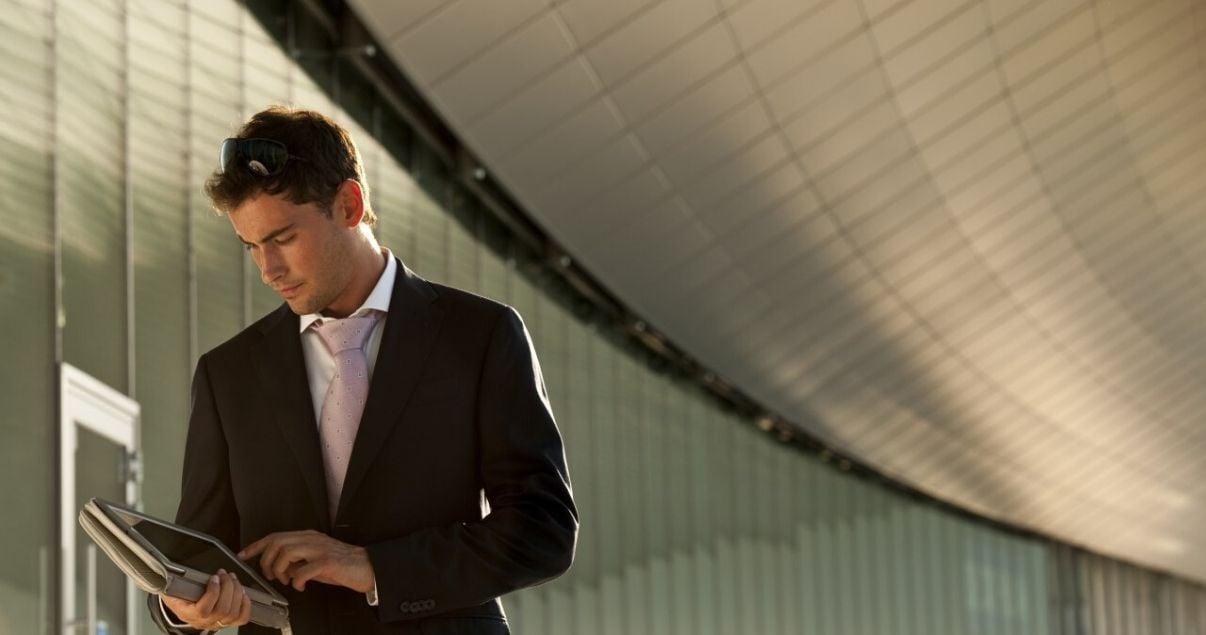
[320, 363]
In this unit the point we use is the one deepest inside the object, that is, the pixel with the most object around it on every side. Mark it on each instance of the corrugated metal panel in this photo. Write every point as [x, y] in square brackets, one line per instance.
[694, 521]
[958, 232]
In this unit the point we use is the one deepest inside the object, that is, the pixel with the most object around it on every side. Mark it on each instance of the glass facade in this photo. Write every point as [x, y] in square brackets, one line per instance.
[693, 520]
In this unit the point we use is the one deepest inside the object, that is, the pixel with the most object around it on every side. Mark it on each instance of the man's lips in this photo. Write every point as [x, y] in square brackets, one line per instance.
[288, 291]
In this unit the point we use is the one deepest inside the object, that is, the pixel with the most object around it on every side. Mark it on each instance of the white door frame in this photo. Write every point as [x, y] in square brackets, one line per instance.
[86, 401]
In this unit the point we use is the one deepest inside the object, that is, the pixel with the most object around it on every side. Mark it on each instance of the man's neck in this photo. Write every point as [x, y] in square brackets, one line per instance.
[368, 273]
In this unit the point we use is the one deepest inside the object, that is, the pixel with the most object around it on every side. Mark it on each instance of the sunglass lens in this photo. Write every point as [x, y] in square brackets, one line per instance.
[230, 149]
[265, 157]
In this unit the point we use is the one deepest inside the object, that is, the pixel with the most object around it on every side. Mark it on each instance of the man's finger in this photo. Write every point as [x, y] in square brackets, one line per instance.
[272, 551]
[307, 572]
[237, 595]
[225, 602]
[178, 604]
[244, 610]
[263, 544]
[205, 603]
[252, 550]
[183, 609]
[290, 556]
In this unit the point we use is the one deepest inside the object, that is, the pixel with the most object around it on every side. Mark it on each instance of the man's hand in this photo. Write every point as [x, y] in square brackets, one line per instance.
[297, 557]
[223, 604]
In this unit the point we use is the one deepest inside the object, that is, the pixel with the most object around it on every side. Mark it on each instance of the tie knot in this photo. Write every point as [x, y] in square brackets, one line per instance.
[346, 334]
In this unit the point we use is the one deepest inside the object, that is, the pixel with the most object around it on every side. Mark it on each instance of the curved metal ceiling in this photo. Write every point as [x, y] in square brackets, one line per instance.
[964, 238]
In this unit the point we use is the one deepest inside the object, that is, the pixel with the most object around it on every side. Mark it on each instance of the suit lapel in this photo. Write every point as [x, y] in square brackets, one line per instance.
[414, 320]
[281, 372]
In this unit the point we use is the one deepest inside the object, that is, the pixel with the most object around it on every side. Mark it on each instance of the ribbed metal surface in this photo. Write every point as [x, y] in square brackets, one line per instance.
[961, 239]
[693, 521]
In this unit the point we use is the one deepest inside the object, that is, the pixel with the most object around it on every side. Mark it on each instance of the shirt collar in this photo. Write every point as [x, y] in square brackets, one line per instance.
[377, 300]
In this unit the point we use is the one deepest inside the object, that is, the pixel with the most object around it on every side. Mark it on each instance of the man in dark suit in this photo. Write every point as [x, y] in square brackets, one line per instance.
[381, 444]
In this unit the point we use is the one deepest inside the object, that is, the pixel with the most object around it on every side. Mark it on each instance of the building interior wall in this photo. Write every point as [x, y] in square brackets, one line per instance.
[693, 520]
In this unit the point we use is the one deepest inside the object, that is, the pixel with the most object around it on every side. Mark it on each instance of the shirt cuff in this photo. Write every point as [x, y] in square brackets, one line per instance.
[371, 596]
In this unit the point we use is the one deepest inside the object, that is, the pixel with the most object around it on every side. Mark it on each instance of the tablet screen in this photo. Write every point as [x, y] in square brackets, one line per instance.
[187, 550]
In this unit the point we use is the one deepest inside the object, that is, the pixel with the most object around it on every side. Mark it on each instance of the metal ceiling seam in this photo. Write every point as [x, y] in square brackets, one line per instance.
[440, 7]
[1186, 201]
[704, 172]
[745, 219]
[1066, 299]
[636, 122]
[821, 197]
[987, 104]
[1176, 174]
[974, 415]
[928, 455]
[987, 268]
[1199, 23]
[581, 47]
[818, 275]
[482, 49]
[758, 89]
[1076, 510]
[786, 267]
[1129, 148]
[869, 70]
[770, 224]
[603, 88]
[1027, 143]
[1140, 368]
[532, 50]
[919, 435]
[627, 129]
[751, 100]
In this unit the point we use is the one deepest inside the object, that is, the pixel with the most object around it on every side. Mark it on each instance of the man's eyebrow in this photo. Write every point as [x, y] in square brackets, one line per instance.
[273, 234]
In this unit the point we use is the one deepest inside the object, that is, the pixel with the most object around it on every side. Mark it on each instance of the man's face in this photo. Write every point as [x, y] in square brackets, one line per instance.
[302, 254]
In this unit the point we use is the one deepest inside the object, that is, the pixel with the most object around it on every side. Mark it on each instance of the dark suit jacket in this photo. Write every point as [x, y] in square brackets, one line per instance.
[457, 418]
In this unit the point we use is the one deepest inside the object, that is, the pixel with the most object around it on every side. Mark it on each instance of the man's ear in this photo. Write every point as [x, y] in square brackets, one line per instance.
[349, 203]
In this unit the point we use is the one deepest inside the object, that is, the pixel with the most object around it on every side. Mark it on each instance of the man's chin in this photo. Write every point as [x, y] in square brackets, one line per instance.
[300, 306]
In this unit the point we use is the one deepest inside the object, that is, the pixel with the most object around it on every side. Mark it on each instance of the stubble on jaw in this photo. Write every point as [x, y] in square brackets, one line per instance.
[335, 262]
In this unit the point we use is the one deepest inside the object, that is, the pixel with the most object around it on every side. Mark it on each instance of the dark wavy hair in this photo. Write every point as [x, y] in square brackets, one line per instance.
[322, 157]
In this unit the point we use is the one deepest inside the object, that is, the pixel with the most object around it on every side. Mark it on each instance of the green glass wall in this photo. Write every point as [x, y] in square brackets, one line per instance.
[693, 520]
[27, 319]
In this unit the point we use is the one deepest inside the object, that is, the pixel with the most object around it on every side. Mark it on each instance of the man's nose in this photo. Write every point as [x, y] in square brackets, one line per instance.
[272, 266]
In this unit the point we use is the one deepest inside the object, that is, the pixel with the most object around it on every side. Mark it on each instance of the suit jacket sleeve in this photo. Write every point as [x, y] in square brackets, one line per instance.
[206, 496]
[530, 533]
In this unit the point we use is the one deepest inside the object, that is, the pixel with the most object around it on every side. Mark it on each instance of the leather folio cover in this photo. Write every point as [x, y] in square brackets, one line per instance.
[152, 576]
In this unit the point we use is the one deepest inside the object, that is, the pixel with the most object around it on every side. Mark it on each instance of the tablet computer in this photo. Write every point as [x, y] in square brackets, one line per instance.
[166, 558]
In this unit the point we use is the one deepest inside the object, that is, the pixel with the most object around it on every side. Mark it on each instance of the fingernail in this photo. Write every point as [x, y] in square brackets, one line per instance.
[213, 579]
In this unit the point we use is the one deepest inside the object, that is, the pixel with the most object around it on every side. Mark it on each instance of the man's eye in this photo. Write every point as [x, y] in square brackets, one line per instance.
[247, 247]
[283, 241]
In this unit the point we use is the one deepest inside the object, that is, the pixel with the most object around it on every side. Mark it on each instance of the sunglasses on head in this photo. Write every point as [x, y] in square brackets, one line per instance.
[263, 157]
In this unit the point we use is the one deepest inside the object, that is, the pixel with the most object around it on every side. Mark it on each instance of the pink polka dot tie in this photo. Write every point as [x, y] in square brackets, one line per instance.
[344, 403]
